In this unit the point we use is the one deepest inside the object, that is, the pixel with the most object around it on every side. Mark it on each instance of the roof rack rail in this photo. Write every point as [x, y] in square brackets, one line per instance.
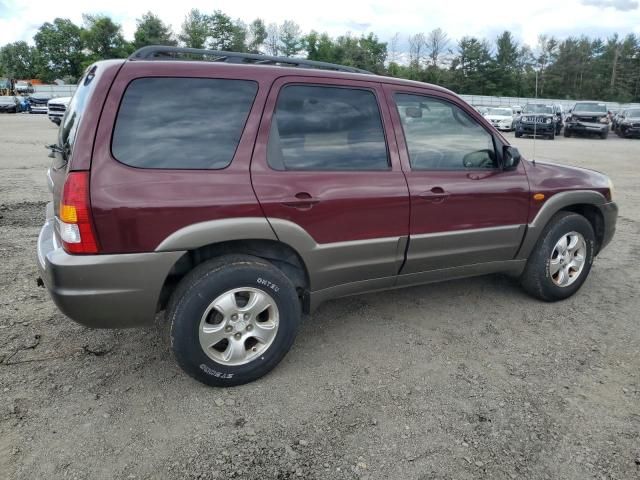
[160, 52]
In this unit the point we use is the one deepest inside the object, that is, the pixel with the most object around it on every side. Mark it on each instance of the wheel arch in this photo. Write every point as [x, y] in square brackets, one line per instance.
[248, 236]
[583, 202]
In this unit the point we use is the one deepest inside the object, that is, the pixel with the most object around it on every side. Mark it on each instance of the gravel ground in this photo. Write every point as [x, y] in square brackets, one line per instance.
[460, 380]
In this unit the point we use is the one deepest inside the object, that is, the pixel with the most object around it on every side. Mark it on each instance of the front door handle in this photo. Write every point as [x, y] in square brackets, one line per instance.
[435, 195]
[302, 201]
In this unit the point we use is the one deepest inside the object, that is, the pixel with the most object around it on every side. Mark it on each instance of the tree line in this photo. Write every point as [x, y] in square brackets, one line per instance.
[571, 68]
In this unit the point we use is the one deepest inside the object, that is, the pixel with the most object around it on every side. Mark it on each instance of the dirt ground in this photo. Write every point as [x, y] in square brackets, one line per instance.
[462, 380]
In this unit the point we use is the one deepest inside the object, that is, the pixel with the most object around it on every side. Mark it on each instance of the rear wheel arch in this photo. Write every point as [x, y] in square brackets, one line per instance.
[278, 253]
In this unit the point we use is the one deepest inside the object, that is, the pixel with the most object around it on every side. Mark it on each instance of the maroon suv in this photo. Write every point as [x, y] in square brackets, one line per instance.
[239, 192]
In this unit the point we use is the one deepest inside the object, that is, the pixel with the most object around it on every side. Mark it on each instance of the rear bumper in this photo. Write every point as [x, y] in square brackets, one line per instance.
[102, 291]
[610, 215]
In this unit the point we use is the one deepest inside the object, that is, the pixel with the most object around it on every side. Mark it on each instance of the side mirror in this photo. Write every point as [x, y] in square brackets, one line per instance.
[510, 157]
[413, 112]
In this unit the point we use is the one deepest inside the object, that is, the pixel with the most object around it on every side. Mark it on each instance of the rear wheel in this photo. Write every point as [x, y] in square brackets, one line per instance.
[562, 258]
[232, 320]
[518, 134]
[567, 133]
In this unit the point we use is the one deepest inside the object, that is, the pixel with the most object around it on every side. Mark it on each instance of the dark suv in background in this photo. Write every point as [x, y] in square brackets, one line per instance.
[587, 118]
[279, 183]
[539, 119]
[628, 123]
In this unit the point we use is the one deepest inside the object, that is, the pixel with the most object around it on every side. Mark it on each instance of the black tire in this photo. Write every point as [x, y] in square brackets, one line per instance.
[604, 135]
[536, 278]
[552, 135]
[567, 133]
[201, 287]
[518, 134]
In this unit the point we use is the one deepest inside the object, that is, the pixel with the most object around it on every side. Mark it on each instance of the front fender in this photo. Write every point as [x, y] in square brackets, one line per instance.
[552, 206]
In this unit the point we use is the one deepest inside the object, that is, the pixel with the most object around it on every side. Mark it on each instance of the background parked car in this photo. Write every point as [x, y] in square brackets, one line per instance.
[501, 118]
[589, 118]
[38, 102]
[23, 87]
[559, 118]
[628, 123]
[9, 104]
[23, 103]
[56, 108]
[538, 119]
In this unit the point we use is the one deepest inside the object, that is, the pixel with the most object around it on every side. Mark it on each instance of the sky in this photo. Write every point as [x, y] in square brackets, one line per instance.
[19, 19]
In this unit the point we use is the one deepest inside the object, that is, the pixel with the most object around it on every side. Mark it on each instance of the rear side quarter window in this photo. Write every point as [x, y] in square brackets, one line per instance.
[181, 123]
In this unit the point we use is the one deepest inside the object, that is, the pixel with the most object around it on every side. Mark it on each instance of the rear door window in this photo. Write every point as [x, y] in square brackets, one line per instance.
[322, 128]
[182, 123]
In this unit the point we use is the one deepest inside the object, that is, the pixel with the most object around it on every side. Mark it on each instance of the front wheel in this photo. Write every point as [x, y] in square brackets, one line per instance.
[604, 135]
[562, 258]
[518, 134]
[232, 320]
[567, 133]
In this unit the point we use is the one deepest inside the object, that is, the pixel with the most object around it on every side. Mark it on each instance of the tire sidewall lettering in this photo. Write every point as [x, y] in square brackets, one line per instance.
[268, 284]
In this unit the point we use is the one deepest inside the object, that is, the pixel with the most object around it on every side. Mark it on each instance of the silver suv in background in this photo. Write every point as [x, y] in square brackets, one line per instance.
[56, 108]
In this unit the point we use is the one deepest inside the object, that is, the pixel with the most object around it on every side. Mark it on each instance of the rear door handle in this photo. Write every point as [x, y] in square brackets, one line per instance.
[435, 195]
[302, 201]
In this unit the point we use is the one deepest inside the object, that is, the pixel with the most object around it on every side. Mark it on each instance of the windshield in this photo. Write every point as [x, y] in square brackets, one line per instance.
[633, 113]
[505, 112]
[538, 108]
[590, 107]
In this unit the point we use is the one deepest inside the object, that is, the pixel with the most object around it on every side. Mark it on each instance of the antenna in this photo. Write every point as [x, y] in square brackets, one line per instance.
[535, 123]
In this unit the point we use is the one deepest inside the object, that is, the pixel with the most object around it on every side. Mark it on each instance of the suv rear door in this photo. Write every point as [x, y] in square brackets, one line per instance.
[464, 208]
[327, 175]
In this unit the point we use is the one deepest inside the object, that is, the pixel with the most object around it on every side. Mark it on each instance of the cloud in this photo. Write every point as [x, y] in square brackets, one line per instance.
[622, 5]
[526, 20]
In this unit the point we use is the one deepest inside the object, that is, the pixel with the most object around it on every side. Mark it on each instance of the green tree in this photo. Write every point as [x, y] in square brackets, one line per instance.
[61, 47]
[506, 65]
[152, 31]
[19, 60]
[471, 66]
[195, 29]
[225, 34]
[257, 35]
[103, 38]
[290, 38]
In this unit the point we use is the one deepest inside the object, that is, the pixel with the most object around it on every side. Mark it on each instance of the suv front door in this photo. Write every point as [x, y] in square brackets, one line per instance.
[465, 209]
[327, 174]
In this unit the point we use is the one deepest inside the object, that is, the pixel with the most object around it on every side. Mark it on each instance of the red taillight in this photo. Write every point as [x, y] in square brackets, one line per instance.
[75, 224]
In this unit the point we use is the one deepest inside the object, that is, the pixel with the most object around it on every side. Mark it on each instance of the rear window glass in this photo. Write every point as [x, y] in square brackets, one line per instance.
[182, 123]
[71, 120]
